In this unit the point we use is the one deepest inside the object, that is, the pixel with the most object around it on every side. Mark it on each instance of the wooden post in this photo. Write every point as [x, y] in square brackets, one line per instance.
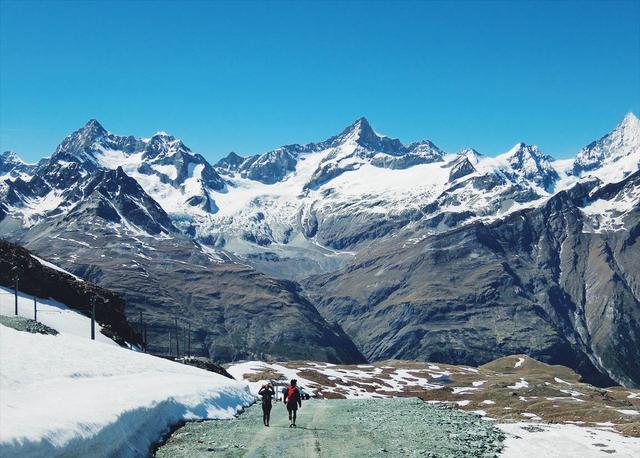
[93, 318]
[170, 346]
[35, 309]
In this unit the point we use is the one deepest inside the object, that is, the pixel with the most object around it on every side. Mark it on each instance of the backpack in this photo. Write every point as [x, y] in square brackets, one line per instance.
[291, 394]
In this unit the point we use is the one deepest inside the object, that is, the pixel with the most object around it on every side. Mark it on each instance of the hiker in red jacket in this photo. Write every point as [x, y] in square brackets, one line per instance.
[293, 400]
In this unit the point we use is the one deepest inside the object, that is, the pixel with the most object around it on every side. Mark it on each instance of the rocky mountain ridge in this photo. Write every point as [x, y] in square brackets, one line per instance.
[345, 216]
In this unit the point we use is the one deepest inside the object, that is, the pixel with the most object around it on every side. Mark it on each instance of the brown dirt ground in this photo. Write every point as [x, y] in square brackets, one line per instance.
[543, 396]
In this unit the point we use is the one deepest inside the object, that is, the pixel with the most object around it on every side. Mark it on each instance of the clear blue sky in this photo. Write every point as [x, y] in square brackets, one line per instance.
[251, 76]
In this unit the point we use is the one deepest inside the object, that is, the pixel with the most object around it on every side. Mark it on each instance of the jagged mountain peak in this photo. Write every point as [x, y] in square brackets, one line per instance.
[630, 120]
[620, 146]
[77, 146]
[628, 129]
[360, 131]
[528, 162]
[522, 152]
[11, 157]
[230, 162]
[470, 154]
[12, 166]
[162, 144]
[233, 156]
[522, 147]
[93, 129]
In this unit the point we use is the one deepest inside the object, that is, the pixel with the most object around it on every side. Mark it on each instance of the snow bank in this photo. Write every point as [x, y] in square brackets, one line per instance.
[66, 395]
[549, 440]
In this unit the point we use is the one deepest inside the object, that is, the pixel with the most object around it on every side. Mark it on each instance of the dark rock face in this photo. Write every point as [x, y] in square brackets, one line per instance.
[207, 365]
[423, 152]
[230, 163]
[271, 167]
[42, 281]
[539, 282]
[461, 168]
[119, 198]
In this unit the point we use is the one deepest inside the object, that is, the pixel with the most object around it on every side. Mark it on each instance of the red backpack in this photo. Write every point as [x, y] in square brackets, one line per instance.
[291, 392]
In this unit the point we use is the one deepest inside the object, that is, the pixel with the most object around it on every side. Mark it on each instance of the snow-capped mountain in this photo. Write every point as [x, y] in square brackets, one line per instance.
[12, 167]
[359, 186]
[301, 209]
[152, 217]
[167, 169]
[615, 155]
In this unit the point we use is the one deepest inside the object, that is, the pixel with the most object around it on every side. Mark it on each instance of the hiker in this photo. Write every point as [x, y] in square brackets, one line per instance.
[267, 392]
[293, 400]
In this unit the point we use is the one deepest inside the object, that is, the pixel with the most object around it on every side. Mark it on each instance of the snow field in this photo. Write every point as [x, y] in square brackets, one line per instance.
[66, 395]
[565, 440]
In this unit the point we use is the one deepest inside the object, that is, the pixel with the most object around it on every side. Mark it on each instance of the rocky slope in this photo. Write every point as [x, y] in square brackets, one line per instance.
[552, 282]
[230, 310]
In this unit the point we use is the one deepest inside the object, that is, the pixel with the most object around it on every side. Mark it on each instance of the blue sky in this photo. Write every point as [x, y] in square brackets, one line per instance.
[250, 76]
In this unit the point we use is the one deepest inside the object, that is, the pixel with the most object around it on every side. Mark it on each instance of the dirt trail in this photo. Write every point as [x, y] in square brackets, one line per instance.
[326, 428]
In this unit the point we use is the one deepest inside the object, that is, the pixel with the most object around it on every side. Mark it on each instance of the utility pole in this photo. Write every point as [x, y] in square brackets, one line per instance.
[177, 339]
[15, 269]
[184, 340]
[189, 352]
[170, 348]
[141, 329]
[35, 309]
[145, 338]
[93, 318]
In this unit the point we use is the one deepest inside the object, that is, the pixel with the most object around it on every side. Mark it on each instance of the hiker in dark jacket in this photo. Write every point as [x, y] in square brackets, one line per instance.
[293, 400]
[267, 393]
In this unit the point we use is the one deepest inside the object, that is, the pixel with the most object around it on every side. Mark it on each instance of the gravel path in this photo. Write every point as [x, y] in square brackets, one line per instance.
[355, 428]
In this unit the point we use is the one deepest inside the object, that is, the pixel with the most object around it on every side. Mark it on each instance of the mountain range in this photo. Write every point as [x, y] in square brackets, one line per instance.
[359, 247]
